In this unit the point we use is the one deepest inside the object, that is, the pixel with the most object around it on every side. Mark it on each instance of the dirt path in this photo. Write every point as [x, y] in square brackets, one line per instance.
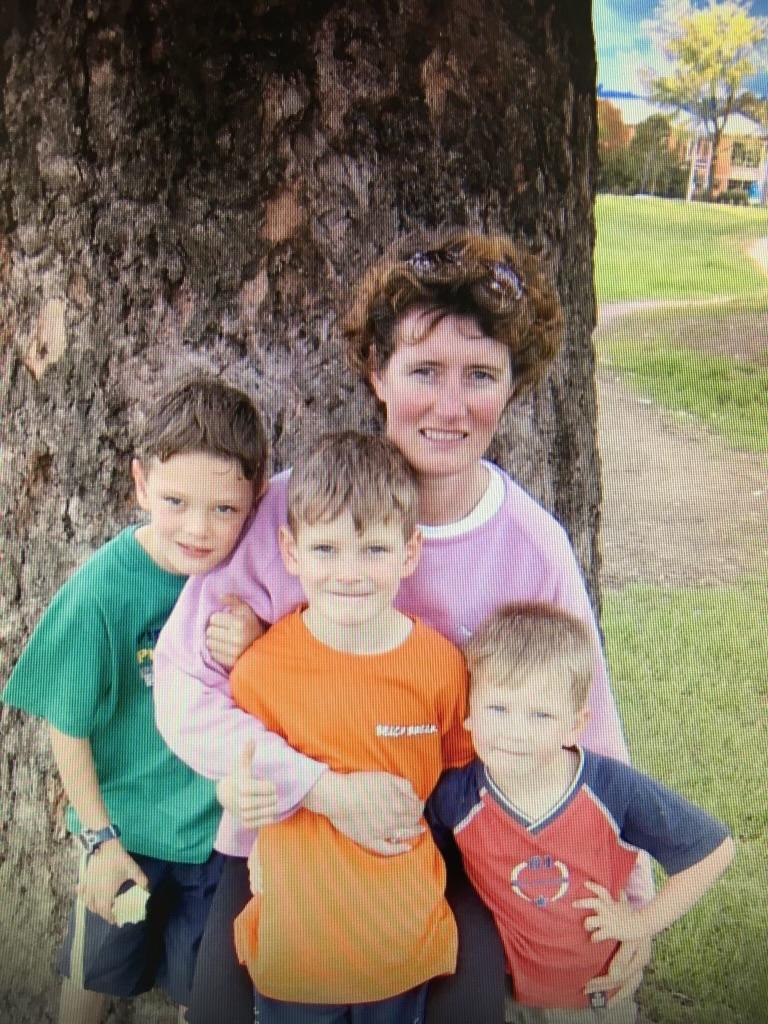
[679, 506]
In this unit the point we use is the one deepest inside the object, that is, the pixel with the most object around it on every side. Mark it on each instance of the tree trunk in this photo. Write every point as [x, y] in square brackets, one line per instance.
[195, 184]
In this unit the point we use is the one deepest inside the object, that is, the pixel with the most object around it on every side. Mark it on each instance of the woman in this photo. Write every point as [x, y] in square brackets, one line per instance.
[446, 334]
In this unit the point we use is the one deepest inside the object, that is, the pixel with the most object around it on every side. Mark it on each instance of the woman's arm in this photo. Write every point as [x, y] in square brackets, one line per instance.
[376, 810]
[195, 712]
[603, 733]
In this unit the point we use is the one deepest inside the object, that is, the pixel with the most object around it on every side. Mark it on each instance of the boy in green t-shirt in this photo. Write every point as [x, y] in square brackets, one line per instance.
[147, 822]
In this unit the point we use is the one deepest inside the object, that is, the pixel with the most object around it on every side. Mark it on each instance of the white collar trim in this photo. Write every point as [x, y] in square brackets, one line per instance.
[485, 509]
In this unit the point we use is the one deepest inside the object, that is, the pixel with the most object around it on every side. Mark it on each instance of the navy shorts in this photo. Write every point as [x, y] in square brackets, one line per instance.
[407, 1008]
[161, 950]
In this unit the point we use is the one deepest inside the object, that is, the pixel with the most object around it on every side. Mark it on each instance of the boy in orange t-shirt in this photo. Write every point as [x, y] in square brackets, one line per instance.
[335, 932]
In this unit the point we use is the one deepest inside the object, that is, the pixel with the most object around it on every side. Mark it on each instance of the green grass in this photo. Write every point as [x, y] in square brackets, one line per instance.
[710, 362]
[688, 667]
[668, 249]
[730, 397]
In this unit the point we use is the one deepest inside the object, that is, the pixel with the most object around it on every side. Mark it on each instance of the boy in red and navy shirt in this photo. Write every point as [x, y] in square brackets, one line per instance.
[549, 832]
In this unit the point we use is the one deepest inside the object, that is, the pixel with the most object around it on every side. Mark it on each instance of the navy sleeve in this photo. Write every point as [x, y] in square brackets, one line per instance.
[454, 796]
[653, 818]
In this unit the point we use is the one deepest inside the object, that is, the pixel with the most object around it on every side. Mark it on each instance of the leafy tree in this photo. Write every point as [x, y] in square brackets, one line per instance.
[612, 133]
[712, 51]
[755, 107]
[658, 169]
[649, 163]
[617, 172]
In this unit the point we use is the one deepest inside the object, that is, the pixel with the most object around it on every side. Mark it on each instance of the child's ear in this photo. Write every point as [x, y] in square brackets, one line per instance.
[374, 375]
[412, 552]
[582, 717]
[287, 544]
[259, 492]
[140, 481]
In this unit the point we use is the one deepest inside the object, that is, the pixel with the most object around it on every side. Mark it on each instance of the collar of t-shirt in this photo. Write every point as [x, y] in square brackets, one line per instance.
[485, 509]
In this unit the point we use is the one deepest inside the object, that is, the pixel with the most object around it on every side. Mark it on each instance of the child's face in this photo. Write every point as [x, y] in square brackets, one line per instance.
[349, 578]
[520, 731]
[198, 504]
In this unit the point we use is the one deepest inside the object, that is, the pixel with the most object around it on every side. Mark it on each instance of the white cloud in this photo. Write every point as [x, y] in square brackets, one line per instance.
[625, 48]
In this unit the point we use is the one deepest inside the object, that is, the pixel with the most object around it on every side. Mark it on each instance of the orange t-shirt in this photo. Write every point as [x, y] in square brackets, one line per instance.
[335, 923]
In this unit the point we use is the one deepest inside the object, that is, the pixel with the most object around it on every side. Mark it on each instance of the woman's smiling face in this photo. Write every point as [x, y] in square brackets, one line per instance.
[444, 390]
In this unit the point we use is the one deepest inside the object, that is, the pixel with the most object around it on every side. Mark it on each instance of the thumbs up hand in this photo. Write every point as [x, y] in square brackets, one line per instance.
[251, 800]
[231, 631]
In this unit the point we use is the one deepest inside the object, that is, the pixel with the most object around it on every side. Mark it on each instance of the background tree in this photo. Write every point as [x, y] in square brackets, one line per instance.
[712, 51]
[654, 156]
[646, 160]
[194, 184]
[754, 106]
[612, 133]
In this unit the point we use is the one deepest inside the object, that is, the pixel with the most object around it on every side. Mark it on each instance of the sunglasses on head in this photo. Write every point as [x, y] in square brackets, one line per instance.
[494, 283]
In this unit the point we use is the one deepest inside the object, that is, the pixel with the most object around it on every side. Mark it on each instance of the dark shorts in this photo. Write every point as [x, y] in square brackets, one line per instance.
[161, 950]
[407, 1008]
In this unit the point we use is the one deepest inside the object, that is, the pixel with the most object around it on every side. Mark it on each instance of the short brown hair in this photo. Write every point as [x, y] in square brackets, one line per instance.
[520, 638]
[362, 474]
[205, 414]
[506, 289]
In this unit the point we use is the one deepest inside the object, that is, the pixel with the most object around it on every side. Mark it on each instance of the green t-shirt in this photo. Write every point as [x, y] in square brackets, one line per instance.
[87, 670]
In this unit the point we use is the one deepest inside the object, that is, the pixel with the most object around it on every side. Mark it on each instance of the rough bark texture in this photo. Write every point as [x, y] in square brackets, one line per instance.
[195, 184]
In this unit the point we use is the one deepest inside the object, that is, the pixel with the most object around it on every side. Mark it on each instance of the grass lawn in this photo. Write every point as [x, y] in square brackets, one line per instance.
[710, 361]
[730, 397]
[667, 249]
[688, 667]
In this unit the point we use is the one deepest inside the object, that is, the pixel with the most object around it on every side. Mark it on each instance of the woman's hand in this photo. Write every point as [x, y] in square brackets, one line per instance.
[376, 810]
[231, 632]
[252, 801]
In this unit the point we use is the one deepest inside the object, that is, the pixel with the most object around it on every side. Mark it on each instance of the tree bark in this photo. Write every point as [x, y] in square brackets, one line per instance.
[187, 184]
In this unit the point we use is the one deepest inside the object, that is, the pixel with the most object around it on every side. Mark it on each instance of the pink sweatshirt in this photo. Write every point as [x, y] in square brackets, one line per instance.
[520, 554]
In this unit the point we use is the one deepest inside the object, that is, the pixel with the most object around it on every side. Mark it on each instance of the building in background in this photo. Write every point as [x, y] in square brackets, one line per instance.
[741, 165]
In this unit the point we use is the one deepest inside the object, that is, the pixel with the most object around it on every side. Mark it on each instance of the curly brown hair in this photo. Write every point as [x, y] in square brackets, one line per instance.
[506, 289]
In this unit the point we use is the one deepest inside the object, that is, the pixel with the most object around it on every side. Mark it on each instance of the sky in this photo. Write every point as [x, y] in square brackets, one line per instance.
[625, 46]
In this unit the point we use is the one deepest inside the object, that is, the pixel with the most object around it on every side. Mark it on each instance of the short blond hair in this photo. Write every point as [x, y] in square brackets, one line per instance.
[521, 638]
[363, 474]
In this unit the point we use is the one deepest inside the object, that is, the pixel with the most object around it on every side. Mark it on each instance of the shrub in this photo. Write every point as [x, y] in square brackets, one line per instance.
[734, 197]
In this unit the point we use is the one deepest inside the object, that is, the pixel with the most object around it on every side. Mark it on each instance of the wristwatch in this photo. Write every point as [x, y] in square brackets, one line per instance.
[93, 839]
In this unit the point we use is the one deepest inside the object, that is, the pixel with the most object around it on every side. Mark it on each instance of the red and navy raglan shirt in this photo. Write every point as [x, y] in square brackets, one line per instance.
[529, 873]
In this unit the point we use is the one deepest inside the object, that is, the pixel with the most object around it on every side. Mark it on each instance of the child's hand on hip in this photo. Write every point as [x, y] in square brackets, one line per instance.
[612, 919]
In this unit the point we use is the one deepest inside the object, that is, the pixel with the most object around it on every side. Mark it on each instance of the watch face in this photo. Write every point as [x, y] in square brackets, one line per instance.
[88, 839]
[92, 839]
